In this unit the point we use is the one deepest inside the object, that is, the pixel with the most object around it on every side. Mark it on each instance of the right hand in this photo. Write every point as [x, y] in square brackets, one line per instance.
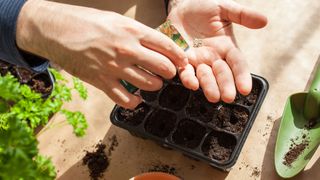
[99, 47]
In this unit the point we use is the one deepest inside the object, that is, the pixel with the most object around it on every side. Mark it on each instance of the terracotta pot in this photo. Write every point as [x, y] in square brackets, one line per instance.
[155, 176]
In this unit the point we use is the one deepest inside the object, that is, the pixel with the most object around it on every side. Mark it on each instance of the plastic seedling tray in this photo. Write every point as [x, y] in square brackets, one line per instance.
[184, 120]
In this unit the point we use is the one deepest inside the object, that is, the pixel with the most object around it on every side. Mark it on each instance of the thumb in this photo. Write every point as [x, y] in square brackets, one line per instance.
[234, 12]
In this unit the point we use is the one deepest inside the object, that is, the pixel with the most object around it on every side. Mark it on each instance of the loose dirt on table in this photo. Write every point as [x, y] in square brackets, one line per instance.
[98, 161]
[163, 168]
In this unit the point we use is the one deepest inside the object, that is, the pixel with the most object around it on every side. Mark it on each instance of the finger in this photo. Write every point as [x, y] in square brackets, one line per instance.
[156, 63]
[224, 78]
[159, 42]
[120, 95]
[141, 78]
[188, 77]
[208, 83]
[239, 14]
[240, 70]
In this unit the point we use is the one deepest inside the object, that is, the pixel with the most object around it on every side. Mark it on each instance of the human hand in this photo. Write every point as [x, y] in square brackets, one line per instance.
[99, 47]
[217, 65]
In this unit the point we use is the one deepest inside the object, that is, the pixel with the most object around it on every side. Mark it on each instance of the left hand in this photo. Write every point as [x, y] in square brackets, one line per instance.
[218, 66]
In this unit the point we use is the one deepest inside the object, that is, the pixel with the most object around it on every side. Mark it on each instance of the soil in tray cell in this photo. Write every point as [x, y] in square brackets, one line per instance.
[231, 118]
[134, 117]
[41, 84]
[250, 99]
[219, 146]
[200, 108]
[189, 133]
[160, 123]
[174, 97]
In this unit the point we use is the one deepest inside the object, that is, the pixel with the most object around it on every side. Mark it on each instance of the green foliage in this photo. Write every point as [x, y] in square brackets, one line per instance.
[21, 111]
[19, 154]
[78, 86]
[77, 120]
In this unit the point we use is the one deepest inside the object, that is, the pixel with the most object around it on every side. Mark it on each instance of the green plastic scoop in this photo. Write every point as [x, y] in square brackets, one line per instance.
[299, 130]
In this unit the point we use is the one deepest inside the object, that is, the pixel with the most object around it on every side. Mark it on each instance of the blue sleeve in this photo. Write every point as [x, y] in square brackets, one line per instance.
[9, 52]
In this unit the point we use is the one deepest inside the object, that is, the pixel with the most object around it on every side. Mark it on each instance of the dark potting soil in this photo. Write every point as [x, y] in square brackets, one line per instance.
[163, 168]
[250, 99]
[22, 74]
[96, 161]
[149, 95]
[4, 68]
[200, 108]
[231, 118]
[136, 116]
[189, 133]
[174, 97]
[160, 123]
[219, 146]
[40, 84]
[294, 152]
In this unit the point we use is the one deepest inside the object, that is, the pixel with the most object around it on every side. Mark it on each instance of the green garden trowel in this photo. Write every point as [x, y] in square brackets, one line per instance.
[300, 125]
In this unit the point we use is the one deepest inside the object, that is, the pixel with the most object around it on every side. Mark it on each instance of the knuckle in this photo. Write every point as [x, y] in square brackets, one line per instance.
[165, 69]
[125, 50]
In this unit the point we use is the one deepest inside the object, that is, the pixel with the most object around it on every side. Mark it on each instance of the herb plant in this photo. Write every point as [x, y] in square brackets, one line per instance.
[21, 111]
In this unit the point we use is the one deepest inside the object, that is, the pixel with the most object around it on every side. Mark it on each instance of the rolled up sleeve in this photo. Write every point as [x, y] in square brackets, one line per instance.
[9, 51]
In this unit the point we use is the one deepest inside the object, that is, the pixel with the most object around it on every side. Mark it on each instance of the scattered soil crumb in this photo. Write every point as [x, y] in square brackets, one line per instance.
[96, 161]
[294, 151]
[256, 172]
[63, 141]
[163, 168]
[113, 144]
[312, 123]
[269, 117]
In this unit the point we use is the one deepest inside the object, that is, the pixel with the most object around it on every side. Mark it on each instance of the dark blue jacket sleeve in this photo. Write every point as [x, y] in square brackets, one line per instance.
[9, 52]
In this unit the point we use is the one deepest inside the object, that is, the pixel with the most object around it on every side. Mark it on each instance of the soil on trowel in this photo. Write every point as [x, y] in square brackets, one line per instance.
[232, 119]
[294, 152]
[219, 146]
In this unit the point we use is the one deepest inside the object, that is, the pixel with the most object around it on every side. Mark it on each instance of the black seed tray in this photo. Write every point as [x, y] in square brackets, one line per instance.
[180, 119]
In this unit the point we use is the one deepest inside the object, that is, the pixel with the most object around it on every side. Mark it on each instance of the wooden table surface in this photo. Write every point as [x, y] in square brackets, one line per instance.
[285, 53]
